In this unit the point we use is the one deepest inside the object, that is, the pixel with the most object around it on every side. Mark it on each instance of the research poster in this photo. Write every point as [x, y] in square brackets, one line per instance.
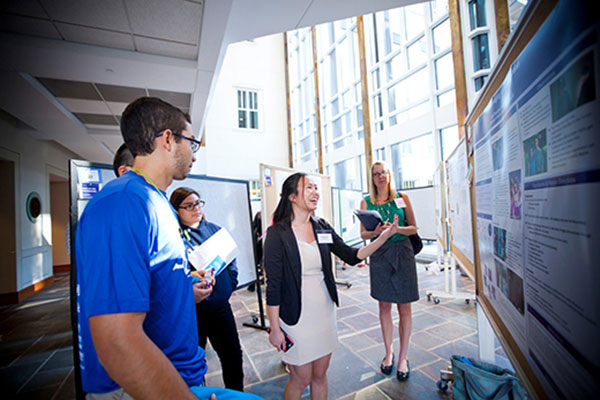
[459, 201]
[537, 173]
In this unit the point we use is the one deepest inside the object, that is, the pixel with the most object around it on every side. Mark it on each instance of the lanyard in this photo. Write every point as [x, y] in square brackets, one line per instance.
[150, 182]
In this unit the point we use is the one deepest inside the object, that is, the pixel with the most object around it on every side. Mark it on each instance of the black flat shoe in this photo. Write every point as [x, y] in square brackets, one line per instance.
[387, 369]
[402, 376]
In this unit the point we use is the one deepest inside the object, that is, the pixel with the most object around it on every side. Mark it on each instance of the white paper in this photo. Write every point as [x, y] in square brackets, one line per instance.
[216, 252]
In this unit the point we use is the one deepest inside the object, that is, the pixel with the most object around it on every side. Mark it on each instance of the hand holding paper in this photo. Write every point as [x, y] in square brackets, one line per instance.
[217, 252]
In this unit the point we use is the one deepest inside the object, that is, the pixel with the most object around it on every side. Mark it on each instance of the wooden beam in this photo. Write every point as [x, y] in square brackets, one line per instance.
[360, 30]
[460, 85]
[313, 32]
[502, 22]
[287, 99]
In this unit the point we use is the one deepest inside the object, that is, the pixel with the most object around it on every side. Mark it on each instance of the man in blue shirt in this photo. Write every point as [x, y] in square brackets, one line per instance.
[137, 325]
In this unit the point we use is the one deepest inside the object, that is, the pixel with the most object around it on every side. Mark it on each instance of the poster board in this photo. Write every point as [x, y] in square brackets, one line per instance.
[272, 178]
[227, 205]
[535, 132]
[459, 208]
[345, 223]
[439, 205]
[422, 203]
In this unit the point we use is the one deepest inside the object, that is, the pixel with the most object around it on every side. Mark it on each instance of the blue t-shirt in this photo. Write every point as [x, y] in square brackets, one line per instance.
[130, 258]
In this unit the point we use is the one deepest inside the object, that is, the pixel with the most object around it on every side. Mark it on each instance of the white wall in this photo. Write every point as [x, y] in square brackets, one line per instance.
[237, 153]
[34, 161]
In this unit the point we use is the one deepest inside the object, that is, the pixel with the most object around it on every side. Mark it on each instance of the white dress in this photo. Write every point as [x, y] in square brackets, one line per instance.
[315, 333]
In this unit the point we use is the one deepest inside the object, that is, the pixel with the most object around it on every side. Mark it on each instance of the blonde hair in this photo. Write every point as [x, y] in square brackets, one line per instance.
[391, 187]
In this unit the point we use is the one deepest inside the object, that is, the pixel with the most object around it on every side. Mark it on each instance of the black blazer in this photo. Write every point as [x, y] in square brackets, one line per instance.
[283, 267]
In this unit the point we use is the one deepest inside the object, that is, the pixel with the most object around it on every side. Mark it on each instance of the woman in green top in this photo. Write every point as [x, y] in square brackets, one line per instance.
[393, 273]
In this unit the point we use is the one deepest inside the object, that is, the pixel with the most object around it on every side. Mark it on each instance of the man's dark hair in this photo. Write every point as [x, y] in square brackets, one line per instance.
[122, 157]
[144, 118]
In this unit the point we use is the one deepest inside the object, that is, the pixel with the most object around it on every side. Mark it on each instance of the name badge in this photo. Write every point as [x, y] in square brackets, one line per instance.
[324, 237]
[400, 202]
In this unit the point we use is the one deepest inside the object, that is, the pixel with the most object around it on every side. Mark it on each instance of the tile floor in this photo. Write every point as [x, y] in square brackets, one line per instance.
[36, 359]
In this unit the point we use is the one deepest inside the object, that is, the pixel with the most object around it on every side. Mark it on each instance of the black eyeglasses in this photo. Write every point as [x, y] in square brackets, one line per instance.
[191, 206]
[378, 174]
[194, 144]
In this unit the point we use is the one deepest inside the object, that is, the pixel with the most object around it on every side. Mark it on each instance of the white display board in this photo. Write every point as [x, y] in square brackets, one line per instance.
[423, 207]
[439, 200]
[227, 205]
[345, 223]
[459, 201]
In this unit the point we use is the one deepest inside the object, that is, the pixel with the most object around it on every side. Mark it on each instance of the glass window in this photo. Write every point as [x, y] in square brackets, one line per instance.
[247, 109]
[306, 145]
[417, 53]
[380, 154]
[345, 174]
[481, 52]
[335, 108]
[444, 72]
[413, 162]
[446, 98]
[337, 128]
[363, 172]
[449, 140]
[441, 36]
[359, 117]
[479, 82]
[394, 67]
[438, 8]
[376, 82]
[477, 13]
[415, 20]
[332, 78]
[393, 34]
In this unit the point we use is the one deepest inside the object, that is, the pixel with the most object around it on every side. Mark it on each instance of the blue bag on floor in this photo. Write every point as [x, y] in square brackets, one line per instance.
[204, 392]
[478, 380]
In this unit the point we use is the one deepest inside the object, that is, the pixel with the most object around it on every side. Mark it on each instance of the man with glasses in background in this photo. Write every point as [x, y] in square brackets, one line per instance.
[135, 299]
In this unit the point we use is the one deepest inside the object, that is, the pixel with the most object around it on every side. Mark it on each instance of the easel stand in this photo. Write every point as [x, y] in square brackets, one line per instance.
[438, 265]
[449, 284]
[254, 324]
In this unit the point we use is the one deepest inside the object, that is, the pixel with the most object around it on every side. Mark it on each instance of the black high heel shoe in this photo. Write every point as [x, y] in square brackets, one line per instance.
[387, 369]
[402, 376]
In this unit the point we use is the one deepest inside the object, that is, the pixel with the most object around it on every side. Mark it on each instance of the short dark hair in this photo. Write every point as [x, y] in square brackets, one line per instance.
[122, 157]
[144, 118]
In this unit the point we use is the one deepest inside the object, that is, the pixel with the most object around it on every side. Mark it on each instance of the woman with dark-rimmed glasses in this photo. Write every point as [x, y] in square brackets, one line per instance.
[214, 315]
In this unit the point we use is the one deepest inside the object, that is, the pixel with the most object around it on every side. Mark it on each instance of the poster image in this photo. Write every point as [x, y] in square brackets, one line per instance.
[498, 154]
[500, 242]
[575, 87]
[536, 154]
[514, 179]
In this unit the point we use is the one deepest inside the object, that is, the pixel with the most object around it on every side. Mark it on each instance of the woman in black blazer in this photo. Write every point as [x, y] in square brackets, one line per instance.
[301, 288]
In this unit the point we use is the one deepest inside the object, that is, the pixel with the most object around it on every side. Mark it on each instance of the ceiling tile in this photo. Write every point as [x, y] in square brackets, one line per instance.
[96, 119]
[98, 37]
[116, 107]
[106, 14]
[28, 26]
[161, 19]
[181, 100]
[30, 8]
[163, 48]
[70, 89]
[85, 106]
[120, 94]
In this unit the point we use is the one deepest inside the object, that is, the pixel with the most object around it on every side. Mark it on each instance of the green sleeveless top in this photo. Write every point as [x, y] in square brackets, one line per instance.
[387, 211]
